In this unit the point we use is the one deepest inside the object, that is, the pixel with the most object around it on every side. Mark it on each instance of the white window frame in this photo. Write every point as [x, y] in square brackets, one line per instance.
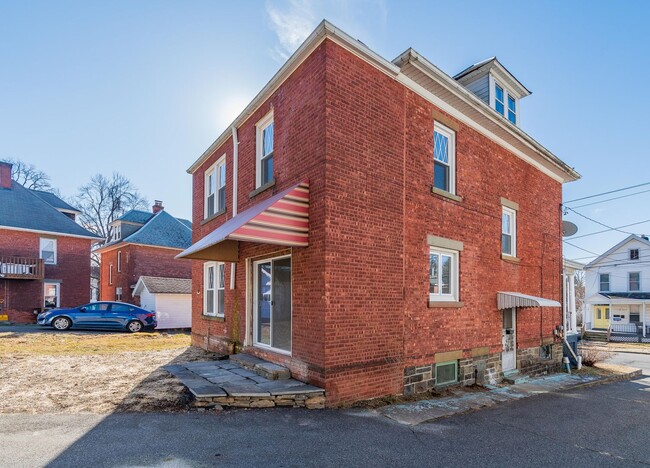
[513, 235]
[600, 282]
[42, 241]
[119, 261]
[118, 294]
[453, 276]
[116, 234]
[216, 288]
[451, 137]
[638, 254]
[110, 274]
[214, 171]
[506, 93]
[629, 281]
[58, 292]
[259, 148]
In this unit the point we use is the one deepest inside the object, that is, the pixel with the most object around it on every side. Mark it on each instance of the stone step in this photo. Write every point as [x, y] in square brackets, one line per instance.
[514, 377]
[265, 369]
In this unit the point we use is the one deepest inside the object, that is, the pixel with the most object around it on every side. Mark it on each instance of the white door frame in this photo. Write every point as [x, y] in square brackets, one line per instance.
[255, 341]
[58, 292]
[509, 359]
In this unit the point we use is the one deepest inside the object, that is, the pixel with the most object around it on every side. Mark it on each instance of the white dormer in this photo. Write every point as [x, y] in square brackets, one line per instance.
[496, 86]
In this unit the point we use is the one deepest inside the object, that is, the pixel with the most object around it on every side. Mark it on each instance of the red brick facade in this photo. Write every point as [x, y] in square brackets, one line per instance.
[21, 297]
[360, 290]
[136, 261]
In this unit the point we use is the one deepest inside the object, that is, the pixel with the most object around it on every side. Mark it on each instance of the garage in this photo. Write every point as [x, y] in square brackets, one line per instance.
[170, 298]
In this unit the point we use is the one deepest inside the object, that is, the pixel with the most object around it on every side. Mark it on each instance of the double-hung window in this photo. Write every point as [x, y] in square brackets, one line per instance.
[48, 251]
[634, 281]
[505, 103]
[499, 99]
[214, 288]
[215, 188]
[264, 160]
[119, 261]
[110, 274]
[634, 254]
[444, 158]
[509, 232]
[512, 110]
[604, 282]
[443, 275]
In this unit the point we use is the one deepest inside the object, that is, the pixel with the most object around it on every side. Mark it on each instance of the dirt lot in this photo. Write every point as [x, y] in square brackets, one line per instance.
[76, 372]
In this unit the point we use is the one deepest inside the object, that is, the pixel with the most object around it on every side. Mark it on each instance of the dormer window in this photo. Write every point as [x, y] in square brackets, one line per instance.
[512, 110]
[498, 99]
[117, 232]
[502, 96]
[634, 254]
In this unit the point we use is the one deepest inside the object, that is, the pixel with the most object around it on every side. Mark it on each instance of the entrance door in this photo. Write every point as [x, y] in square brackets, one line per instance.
[272, 303]
[601, 317]
[509, 337]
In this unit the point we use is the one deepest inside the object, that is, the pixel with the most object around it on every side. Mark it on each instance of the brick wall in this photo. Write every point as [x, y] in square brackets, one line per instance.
[136, 261]
[72, 270]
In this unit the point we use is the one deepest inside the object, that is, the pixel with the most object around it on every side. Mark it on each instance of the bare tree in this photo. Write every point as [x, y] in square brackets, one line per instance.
[580, 295]
[29, 176]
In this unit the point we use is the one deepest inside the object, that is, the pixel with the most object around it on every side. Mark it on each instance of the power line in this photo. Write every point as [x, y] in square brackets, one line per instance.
[613, 198]
[580, 248]
[607, 193]
[607, 230]
[597, 222]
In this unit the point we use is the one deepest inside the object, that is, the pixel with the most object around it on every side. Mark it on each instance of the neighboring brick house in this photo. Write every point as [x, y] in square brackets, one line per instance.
[44, 253]
[380, 227]
[142, 243]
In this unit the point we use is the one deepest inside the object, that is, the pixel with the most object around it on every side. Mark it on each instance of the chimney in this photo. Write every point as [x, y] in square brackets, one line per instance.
[5, 175]
[644, 237]
[157, 207]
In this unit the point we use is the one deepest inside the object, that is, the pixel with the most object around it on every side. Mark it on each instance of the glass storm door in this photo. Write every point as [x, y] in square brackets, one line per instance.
[509, 353]
[272, 303]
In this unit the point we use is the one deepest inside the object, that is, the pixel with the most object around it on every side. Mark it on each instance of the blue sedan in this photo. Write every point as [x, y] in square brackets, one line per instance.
[100, 315]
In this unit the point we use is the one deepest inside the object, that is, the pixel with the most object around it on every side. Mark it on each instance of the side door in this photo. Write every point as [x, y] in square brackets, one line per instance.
[90, 315]
[120, 315]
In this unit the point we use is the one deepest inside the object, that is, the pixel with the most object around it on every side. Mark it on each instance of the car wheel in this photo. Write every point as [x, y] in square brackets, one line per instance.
[61, 323]
[134, 326]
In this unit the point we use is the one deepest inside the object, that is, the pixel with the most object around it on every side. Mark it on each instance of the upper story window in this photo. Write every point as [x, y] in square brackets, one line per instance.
[634, 281]
[110, 274]
[214, 288]
[119, 261]
[264, 160]
[512, 110]
[116, 233]
[604, 282]
[634, 254]
[443, 275]
[505, 102]
[215, 188]
[444, 158]
[499, 99]
[48, 251]
[508, 232]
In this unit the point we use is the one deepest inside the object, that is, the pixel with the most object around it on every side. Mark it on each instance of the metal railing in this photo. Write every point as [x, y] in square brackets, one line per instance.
[21, 268]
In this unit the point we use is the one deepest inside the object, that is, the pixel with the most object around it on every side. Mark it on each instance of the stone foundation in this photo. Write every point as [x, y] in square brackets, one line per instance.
[309, 401]
[530, 362]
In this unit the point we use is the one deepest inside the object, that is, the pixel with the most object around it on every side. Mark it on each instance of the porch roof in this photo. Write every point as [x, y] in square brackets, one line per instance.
[643, 296]
[282, 219]
[507, 300]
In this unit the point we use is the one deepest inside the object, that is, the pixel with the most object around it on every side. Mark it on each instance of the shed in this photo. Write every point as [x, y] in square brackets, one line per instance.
[170, 298]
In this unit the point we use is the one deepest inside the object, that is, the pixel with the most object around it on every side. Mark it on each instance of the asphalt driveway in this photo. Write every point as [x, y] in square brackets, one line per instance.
[604, 425]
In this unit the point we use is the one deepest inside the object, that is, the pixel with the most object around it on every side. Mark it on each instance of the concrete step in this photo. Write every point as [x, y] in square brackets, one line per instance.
[514, 377]
[265, 369]
[596, 336]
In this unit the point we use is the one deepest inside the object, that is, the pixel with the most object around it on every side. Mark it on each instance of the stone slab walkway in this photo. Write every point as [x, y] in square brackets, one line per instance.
[461, 401]
[227, 383]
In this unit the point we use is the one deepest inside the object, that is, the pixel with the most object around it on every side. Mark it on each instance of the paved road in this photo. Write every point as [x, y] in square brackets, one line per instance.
[605, 425]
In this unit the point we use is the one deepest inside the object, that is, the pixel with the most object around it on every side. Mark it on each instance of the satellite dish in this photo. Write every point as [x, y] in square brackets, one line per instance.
[568, 228]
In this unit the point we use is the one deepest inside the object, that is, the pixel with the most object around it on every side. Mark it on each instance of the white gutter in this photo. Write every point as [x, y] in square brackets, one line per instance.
[235, 171]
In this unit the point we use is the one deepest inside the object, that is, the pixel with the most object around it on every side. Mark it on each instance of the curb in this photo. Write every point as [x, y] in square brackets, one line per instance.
[611, 379]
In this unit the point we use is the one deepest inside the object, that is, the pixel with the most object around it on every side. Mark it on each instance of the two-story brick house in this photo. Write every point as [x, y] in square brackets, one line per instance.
[142, 243]
[617, 292]
[44, 253]
[380, 227]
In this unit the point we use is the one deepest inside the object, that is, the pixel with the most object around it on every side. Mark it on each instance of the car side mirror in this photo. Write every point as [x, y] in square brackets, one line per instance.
[82, 309]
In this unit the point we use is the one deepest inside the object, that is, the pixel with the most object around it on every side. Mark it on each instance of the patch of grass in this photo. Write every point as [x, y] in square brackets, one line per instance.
[71, 343]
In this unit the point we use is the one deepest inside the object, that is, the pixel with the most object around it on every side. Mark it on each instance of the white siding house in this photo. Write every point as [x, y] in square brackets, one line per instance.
[170, 298]
[617, 291]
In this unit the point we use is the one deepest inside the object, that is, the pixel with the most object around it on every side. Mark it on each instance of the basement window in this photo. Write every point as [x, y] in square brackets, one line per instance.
[546, 352]
[446, 373]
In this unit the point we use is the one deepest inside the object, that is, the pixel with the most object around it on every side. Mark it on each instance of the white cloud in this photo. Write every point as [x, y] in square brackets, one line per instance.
[293, 20]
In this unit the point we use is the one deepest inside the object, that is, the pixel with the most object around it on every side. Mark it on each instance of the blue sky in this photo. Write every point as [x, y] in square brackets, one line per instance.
[143, 87]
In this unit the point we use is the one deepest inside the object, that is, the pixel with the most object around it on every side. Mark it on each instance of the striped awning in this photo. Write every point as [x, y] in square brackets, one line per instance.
[282, 219]
[507, 300]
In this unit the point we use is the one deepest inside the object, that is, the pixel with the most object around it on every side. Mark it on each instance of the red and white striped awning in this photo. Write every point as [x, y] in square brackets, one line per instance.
[282, 219]
[508, 300]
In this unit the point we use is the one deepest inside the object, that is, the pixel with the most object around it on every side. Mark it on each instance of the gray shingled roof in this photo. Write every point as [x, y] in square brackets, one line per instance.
[163, 230]
[157, 285]
[21, 208]
[136, 216]
[55, 201]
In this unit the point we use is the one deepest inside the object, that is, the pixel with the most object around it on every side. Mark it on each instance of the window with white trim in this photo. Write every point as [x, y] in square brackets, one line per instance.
[51, 297]
[444, 158]
[118, 294]
[499, 99]
[215, 188]
[116, 233]
[214, 288]
[604, 282]
[110, 274]
[634, 254]
[443, 275]
[508, 232]
[48, 251]
[504, 102]
[119, 261]
[634, 281]
[264, 159]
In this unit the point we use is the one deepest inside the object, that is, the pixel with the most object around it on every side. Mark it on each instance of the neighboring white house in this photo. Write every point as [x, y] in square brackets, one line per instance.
[170, 298]
[617, 290]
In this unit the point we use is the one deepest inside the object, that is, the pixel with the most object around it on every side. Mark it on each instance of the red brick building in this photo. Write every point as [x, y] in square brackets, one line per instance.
[142, 243]
[44, 253]
[380, 227]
